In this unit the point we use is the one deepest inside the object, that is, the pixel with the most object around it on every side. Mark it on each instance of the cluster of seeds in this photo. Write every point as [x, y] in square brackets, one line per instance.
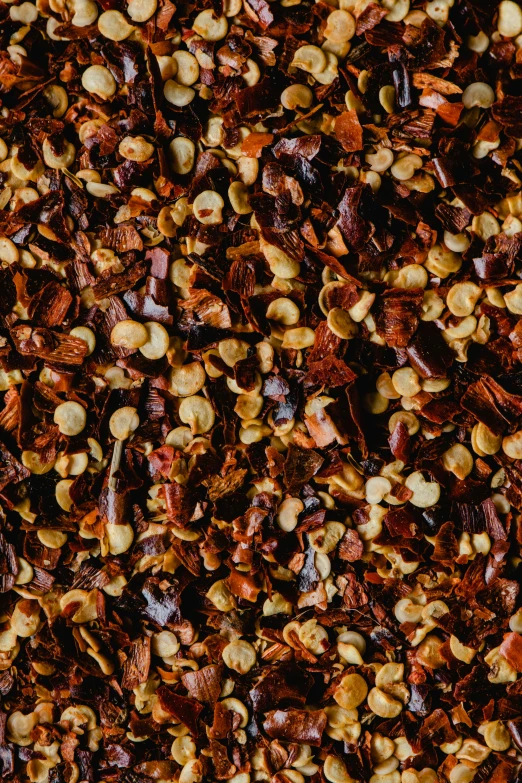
[261, 391]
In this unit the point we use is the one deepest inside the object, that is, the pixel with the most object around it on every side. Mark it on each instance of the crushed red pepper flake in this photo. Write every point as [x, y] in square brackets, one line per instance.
[260, 394]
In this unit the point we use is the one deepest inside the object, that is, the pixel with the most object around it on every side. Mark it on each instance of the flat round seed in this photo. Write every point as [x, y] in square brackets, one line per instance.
[197, 412]
[260, 420]
[340, 26]
[182, 154]
[310, 58]
[210, 26]
[129, 334]
[341, 324]
[178, 94]
[136, 148]
[85, 334]
[70, 417]
[187, 70]
[124, 422]
[157, 343]
[141, 10]
[207, 207]
[99, 80]
[113, 25]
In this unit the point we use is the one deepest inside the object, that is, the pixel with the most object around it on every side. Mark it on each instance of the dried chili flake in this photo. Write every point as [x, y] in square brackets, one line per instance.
[260, 395]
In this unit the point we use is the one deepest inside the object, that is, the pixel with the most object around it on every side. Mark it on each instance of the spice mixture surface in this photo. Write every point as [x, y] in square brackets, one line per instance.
[261, 391]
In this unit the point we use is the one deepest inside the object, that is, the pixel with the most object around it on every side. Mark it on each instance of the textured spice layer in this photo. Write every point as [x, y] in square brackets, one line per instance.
[261, 391]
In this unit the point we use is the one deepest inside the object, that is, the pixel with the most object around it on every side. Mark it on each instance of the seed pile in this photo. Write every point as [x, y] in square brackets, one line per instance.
[261, 391]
